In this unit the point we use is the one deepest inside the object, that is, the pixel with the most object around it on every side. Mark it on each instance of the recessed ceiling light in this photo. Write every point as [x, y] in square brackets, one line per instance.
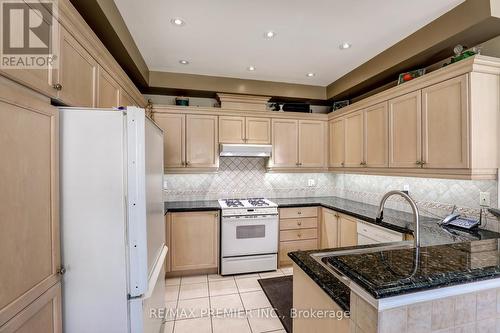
[177, 21]
[251, 68]
[270, 34]
[344, 46]
[310, 74]
[184, 62]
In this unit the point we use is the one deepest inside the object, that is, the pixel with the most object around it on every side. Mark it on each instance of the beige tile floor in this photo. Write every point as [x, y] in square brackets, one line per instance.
[237, 304]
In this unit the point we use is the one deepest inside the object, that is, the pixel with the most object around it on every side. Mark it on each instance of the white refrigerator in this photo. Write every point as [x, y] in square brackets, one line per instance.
[112, 221]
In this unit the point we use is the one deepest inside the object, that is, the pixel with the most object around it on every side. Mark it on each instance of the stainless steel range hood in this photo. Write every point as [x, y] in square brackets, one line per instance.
[245, 150]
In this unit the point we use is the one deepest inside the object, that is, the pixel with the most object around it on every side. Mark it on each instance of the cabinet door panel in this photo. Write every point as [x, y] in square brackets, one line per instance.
[348, 235]
[77, 73]
[173, 126]
[125, 99]
[108, 92]
[376, 136]
[231, 129]
[337, 143]
[40, 79]
[354, 140]
[258, 130]
[329, 229]
[312, 144]
[405, 134]
[29, 176]
[285, 143]
[201, 141]
[445, 124]
[194, 240]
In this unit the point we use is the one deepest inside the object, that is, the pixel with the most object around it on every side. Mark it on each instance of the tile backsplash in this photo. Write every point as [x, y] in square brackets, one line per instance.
[240, 177]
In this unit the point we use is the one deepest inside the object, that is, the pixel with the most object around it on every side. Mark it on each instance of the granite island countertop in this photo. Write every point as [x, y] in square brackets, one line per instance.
[396, 272]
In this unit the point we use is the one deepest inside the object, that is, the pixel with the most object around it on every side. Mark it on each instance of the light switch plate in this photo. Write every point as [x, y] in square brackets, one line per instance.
[484, 199]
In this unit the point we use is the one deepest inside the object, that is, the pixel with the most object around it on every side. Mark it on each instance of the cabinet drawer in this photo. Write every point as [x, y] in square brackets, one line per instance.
[378, 233]
[291, 246]
[304, 223]
[300, 234]
[296, 212]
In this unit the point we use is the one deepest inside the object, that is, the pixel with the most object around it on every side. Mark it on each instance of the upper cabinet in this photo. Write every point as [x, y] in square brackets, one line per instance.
[312, 144]
[108, 93]
[405, 131]
[298, 143]
[447, 126]
[252, 130]
[202, 150]
[190, 141]
[337, 142]
[285, 152]
[353, 154]
[376, 139]
[77, 79]
[258, 130]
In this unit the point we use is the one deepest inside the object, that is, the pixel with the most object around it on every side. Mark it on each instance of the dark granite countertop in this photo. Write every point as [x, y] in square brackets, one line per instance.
[190, 206]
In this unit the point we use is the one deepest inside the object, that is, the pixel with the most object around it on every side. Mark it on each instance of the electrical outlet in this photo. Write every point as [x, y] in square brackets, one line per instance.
[484, 199]
[165, 185]
[311, 182]
[406, 188]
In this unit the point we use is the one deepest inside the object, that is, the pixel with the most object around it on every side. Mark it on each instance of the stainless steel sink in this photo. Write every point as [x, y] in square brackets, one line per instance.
[359, 250]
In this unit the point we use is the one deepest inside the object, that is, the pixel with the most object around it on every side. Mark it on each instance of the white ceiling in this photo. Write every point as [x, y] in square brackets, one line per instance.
[224, 37]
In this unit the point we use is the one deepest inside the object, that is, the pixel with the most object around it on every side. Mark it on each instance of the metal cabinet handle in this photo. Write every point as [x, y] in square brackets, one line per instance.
[57, 86]
[299, 235]
[61, 270]
[188, 163]
[299, 223]
[342, 164]
[299, 212]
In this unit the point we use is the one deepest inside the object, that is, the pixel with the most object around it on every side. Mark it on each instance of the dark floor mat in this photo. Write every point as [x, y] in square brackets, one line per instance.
[279, 291]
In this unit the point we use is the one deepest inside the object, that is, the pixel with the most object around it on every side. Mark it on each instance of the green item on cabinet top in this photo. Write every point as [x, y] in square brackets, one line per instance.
[182, 101]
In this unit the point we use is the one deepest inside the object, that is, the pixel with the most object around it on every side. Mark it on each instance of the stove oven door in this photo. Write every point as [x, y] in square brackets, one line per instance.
[249, 235]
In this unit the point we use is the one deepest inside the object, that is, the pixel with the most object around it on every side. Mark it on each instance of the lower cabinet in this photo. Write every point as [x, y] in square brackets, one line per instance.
[298, 231]
[329, 229]
[348, 232]
[372, 234]
[41, 316]
[193, 241]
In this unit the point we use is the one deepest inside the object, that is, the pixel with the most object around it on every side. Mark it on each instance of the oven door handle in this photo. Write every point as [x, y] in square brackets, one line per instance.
[250, 217]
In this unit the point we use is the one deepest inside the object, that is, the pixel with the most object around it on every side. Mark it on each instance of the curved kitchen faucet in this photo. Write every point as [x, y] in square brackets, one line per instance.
[414, 208]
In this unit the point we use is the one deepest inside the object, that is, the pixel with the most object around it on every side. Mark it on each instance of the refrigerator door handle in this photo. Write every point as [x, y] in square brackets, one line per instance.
[156, 272]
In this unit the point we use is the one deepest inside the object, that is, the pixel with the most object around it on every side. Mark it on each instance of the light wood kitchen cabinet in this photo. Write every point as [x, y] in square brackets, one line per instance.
[354, 140]
[77, 82]
[405, 131]
[348, 232]
[108, 92]
[234, 129]
[445, 120]
[202, 149]
[298, 231]
[329, 229]
[376, 139]
[174, 139]
[29, 240]
[126, 100]
[193, 240]
[258, 130]
[312, 144]
[190, 141]
[231, 129]
[337, 143]
[285, 142]
[299, 144]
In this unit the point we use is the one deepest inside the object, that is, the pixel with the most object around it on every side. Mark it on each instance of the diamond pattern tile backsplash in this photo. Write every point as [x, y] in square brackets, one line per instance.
[240, 177]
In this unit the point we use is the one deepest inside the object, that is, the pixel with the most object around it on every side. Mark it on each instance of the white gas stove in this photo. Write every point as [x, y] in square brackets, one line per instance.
[252, 206]
[249, 241]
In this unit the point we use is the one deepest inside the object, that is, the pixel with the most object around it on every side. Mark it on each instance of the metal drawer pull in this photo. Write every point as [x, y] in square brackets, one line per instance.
[299, 223]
